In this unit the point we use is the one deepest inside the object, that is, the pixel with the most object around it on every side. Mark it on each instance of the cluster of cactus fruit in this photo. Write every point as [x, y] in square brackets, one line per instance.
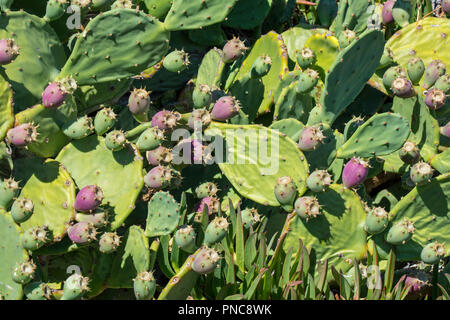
[111, 135]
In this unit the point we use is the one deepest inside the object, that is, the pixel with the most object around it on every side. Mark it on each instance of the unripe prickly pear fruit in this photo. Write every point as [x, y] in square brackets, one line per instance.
[233, 50]
[211, 202]
[433, 72]
[433, 252]
[144, 286]
[82, 233]
[319, 181]
[55, 9]
[421, 173]
[78, 128]
[37, 290]
[416, 69]
[202, 96]
[139, 101]
[9, 189]
[22, 209]
[387, 58]
[327, 11]
[206, 189]
[435, 99]
[355, 172]
[176, 61]
[36, 237]
[285, 191]
[310, 138]
[165, 120]
[99, 217]
[88, 198]
[185, 238]
[150, 139]
[22, 135]
[443, 83]
[56, 92]
[307, 81]
[8, 51]
[409, 153]
[216, 231]
[403, 88]
[161, 177]
[104, 120]
[261, 66]
[307, 207]
[400, 232]
[225, 108]
[346, 37]
[199, 119]
[23, 273]
[109, 242]
[205, 260]
[376, 221]
[100, 4]
[126, 4]
[305, 58]
[115, 140]
[159, 156]
[391, 74]
[250, 217]
[387, 12]
[401, 12]
[75, 287]
[445, 130]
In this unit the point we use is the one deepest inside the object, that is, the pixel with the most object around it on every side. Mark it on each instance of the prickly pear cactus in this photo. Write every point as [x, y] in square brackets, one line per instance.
[163, 215]
[6, 107]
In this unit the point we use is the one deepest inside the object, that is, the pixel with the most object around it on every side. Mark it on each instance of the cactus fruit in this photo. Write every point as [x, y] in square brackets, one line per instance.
[104, 120]
[261, 66]
[310, 138]
[421, 173]
[391, 74]
[199, 118]
[416, 69]
[233, 50]
[443, 83]
[37, 290]
[206, 189]
[285, 191]
[446, 6]
[9, 188]
[445, 130]
[139, 101]
[211, 202]
[35, 238]
[22, 135]
[306, 58]
[161, 177]
[22, 209]
[433, 72]
[109, 242]
[99, 217]
[144, 286]
[23, 273]
[205, 260]
[115, 140]
[89, 198]
[409, 153]
[127, 4]
[307, 207]
[376, 221]
[319, 181]
[82, 233]
[387, 12]
[75, 287]
[150, 139]
[387, 58]
[419, 284]
[407, 183]
[308, 79]
[78, 128]
[56, 92]
[355, 172]
[185, 238]
[225, 108]
[8, 51]
[202, 96]
[400, 232]
[165, 120]
[55, 9]
[435, 99]
[176, 61]
[403, 88]
[433, 252]
[159, 156]
[216, 231]
[401, 12]
[346, 37]
[326, 11]
[250, 217]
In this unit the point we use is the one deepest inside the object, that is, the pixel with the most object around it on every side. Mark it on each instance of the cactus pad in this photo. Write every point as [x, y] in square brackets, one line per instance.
[6, 107]
[163, 215]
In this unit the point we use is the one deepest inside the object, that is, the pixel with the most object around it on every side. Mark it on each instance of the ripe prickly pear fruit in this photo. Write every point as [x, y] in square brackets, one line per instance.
[401, 12]
[409, 153]
[400, 232]
[233, 50]
[403, 88]
[433, 72]
[307, 207]
[205, 260]
[115, 140]
[139, 101]
[189, 151]
[433, 252]
[161, 177]
[250, 217]
[104, 120]
[445, 130]
[225, 108]
[376, 221]
[165, 120]
[199, 119]
[327, 11]
[319, 181]
[99, 218]
[22, 135]
[387, 58]
[421, 173]
[109, 242]
[435, 99]
[285, 191]
[445, 4]
[55, 9]
[355, 172]
[89, 198]
[9, 189]
[261, 66]
[386, 13]
[211, 202]
[23, 273]
[75, 287]
[206, 189]
[202, 96]
[37, 290]
[185, 238]
[159, 156]
[416, 69]
[144, 286]
[8, 51]
[22, 209]
[391, 74]
[310, 138]
[346, 37]
[216, 231]
[176, 61]
[78, 128]
[443, 83]
[36, 237]
[419, 285]
[307, 81]
[82, 233]
[150, 139]
[305, 58]
[56, 92]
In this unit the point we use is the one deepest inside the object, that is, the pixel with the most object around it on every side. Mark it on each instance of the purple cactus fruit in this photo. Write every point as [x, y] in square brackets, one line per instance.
[419, 283]
[165, 120]
[161, 177]
[89, 198]
[82, 232]
[225, 108]
[8, 51]
[355, 172]
[403, 88]
[386, 13]
[233, 50]
[433, 72]
[22, 135]
[189, 151]
[211, 202]
[445, 4]
[435, 99]
[54, 95]
[310, 138]
[445, 130]
[160, 155]
[139, 101]
[199, 118]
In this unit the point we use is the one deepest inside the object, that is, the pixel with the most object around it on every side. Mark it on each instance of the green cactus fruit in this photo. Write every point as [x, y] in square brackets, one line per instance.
[401, 12]
[409, 153]
[205, 260]
[75, 287]
[307, 207]
[98, 218]
[144, 286]
[346, 37]
[22, 209]
[305, 58]
[78, 128]
[308, 79]
[443, 83]
[199, 119]
[100, 4]
[115, 140]
[421, 173]
[158, 8]
[416, 69]
[433, 252]
[387, 58]
[104, 120]
[433, 72]
[185, 238]
[376, 221]
[285, 191]
[319, 181]
[261, 66]
[9, 189]
[35, 238]
[400, 232]
[202, 96]
[250, 217]
[176, 61]
[327, 11]
[150, 139]
[109, 242]
[25, 272]
[391, 74]
[139, 101]
[206, 189]
[216, 231]
[55, 9]
[37, 291]
[233, 50]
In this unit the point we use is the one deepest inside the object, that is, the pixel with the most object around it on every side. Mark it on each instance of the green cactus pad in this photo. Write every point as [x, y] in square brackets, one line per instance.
[353, 15]
[326, 48]
[6, 107]
[291, 104]
[209, 72]
[290, 127]
[116, 44]
[11, 253]
[90, 162]
[248, 14]
[441, 162]
[251, 178]
[163, 215]
[208, 36]
[295, 39]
